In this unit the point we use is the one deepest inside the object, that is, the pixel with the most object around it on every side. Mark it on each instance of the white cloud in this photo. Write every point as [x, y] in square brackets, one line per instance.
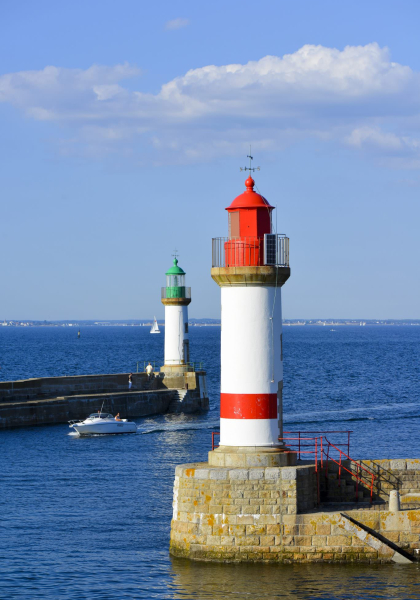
[374, 138]
[356, 96]
[177, 23]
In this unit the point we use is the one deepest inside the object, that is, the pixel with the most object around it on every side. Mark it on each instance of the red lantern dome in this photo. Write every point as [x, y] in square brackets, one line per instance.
[249, 214]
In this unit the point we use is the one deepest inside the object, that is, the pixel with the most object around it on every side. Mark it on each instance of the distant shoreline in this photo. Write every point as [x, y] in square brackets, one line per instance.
[212, 323]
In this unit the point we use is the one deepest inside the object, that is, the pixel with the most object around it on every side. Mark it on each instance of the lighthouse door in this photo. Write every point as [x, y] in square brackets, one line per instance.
[186, 351]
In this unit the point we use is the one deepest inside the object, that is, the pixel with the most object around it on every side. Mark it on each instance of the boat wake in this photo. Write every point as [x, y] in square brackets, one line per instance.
[180, 427]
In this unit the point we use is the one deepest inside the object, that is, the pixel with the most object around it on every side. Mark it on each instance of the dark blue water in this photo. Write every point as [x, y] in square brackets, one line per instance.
[90, 517]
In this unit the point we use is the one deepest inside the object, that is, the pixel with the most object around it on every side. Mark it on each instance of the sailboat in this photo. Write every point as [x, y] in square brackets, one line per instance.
[155, 327]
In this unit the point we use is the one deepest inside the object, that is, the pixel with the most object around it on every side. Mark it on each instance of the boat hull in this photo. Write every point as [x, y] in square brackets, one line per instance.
[105, 428]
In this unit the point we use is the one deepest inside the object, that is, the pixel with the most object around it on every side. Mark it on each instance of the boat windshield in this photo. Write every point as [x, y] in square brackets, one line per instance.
[100, 416]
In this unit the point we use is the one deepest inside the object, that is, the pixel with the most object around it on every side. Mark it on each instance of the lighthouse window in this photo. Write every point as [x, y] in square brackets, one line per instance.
[234, 224]
[281, 346]
[186, 327]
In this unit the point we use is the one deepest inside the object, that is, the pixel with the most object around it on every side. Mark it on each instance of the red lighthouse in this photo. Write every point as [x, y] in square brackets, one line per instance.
[250, 266]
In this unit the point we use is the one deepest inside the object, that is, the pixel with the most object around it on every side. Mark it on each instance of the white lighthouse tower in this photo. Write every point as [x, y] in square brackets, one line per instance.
[176, 298]
[250, 266]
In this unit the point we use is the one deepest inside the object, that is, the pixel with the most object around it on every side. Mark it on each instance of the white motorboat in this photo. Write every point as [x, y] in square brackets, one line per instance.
[103, 423]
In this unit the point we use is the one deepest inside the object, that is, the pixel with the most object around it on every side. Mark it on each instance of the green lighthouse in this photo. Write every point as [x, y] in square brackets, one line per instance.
[176, 298]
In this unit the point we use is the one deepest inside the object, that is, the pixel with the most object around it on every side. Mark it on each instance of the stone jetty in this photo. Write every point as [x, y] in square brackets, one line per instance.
[48, 400]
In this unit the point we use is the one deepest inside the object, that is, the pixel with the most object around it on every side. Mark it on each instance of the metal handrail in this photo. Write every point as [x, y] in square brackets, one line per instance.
[319, 445]
[341, 466]
[213, 433]
[320, 433]
[196, 366]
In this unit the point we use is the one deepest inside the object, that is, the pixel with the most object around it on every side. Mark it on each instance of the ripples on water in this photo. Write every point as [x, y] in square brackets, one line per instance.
[90, 517]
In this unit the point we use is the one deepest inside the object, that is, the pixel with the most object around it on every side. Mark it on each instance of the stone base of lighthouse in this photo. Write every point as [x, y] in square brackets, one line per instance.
[236, 513]
[250, 456]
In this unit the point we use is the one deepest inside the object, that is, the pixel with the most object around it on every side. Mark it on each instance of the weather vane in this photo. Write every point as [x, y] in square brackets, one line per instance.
[251, 158]
[175, 254]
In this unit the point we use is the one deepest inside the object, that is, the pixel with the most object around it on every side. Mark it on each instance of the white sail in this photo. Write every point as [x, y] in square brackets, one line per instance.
[155, 327]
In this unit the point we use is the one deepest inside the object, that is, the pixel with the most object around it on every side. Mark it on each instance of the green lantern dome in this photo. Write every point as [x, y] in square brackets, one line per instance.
[175, 281]
[175, 270]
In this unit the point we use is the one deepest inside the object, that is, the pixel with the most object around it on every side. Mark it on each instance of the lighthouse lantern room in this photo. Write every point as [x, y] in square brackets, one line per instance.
[250, 266]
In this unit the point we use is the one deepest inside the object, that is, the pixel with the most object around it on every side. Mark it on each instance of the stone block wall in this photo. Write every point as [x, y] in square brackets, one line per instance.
[330, 537]
[401, 528]
[236, 514]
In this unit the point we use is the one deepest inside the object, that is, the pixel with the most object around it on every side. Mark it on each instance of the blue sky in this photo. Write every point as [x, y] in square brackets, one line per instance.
[123, 126]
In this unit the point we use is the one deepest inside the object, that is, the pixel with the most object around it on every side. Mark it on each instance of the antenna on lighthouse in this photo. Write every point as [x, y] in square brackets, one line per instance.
[251, 158]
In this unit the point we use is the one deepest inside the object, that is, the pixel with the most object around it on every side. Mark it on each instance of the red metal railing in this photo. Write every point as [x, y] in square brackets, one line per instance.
[320, 433]
[361, 474]
[300, 439]
[213, 433]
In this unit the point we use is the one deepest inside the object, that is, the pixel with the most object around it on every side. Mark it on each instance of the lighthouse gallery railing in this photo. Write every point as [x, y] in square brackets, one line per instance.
[271, 249]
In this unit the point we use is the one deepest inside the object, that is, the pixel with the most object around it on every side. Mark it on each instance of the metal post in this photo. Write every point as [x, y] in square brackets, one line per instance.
[339, 471]
[326, 462]
[317, 471]
[348, 443]
[371, 489]
[299, 445]
[357, 482]
[321, 452]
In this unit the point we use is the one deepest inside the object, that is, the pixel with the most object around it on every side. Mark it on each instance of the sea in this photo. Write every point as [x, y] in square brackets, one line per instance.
[89, 518]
